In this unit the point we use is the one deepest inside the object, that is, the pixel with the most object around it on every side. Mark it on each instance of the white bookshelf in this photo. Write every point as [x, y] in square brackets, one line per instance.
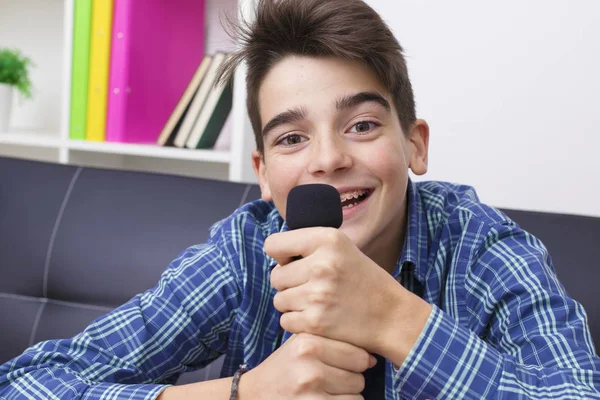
[43, 29]
[49, 139]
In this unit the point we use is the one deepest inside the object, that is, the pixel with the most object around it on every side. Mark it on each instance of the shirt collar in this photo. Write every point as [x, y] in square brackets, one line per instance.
[416, 240]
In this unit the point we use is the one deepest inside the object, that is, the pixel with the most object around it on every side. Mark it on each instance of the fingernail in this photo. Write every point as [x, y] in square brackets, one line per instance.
[372, 361]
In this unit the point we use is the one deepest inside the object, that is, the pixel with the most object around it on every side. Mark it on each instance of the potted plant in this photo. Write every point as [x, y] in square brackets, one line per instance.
[14, 74]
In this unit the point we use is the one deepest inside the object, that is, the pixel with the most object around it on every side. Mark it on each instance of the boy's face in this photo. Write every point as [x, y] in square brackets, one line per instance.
[330, 121]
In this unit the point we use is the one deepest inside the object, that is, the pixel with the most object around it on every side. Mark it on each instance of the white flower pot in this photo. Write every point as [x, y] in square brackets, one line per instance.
[6, 94]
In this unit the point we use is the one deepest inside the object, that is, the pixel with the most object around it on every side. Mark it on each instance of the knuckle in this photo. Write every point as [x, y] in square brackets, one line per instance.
[316, 323]
[332, 236]
[326, 268]
[307, 346]
[309, 380]
[321, 296]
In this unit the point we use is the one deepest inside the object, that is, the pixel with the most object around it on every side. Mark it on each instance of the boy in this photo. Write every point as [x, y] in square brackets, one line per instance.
[452, 298]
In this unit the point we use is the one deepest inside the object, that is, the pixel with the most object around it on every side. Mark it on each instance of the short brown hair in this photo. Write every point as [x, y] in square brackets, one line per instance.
[345, 29]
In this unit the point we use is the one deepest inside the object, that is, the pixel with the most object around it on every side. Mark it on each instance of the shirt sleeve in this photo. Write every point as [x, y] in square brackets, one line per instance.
[141, 347]
[525, 338]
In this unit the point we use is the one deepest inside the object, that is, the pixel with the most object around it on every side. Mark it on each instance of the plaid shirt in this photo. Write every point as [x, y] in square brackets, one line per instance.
[502, 325]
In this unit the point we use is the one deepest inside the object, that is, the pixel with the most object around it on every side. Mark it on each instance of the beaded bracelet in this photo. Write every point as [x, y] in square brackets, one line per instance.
[236, 379]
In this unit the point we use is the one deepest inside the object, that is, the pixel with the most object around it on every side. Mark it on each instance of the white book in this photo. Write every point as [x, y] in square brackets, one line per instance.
[199, 99]
[206, 113]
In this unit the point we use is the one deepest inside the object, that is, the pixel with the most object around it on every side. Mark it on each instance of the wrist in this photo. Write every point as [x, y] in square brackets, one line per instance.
[246, 388]
[404, 325]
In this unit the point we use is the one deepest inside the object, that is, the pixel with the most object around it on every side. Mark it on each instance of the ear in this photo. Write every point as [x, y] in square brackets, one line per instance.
[419, 140]
[260, 169]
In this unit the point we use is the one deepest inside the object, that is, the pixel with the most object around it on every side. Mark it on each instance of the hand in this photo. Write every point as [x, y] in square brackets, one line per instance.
[309, 367]
[334, 290]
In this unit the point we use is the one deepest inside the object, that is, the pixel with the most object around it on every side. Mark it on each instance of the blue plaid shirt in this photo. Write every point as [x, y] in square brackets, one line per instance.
[502, 325]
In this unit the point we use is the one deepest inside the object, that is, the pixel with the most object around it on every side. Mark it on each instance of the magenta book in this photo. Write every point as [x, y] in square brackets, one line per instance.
[157, 46]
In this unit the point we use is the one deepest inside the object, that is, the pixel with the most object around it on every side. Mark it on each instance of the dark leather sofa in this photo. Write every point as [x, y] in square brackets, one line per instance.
[76, 242]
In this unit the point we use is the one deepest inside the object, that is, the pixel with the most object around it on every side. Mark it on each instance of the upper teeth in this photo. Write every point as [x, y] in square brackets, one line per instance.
[352, 195]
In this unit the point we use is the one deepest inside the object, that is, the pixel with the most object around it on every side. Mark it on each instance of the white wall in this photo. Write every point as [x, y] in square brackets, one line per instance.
[36, 28]
[511, 91]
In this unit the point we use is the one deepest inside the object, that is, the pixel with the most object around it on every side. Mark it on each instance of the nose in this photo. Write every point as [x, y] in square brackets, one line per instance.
[329, 154]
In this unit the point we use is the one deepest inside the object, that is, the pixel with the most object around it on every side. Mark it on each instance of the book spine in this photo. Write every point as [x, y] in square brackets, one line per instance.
[168, 38]
[186, 131]
[216, 120]
[80, 68]
[118, 73]
[99, 66]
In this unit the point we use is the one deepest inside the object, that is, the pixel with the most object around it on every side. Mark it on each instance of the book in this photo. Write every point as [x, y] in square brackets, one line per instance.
[175, 119]
[82, 18]
[156, 48]
[214, 113]
[194, 111]
[102, 11]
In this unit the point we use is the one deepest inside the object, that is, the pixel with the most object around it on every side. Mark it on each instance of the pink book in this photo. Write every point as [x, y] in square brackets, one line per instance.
[156, 48]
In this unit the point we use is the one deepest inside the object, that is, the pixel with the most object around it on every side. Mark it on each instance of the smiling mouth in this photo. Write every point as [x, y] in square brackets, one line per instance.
[353, 199]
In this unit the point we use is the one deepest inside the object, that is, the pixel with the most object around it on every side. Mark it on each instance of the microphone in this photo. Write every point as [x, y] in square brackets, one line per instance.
[314, 204]
[320, 205]
[311, 205]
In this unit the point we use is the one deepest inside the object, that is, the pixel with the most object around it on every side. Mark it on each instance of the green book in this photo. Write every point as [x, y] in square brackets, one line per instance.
[82, 25]
[214, 113]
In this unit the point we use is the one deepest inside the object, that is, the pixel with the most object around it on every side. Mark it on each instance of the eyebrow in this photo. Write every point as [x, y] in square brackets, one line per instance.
[286, 117]
[344, 103]
[354, 100]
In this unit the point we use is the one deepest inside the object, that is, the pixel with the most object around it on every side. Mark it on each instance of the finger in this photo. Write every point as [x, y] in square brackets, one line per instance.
[303, 321]
[335, 353]
[290, 275]
[292, 321]
[342, 382]
[347, 357]
[283, 246]
[290, 300]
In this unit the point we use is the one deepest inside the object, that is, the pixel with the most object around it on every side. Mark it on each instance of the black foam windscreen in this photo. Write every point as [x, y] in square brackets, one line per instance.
[314, 204]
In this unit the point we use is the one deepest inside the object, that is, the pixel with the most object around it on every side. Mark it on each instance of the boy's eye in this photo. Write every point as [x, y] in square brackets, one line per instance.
[291, 140]
[363, 126]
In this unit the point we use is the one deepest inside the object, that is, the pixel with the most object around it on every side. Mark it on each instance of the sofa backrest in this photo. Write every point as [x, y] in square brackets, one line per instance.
[573, 242]
[77, 242]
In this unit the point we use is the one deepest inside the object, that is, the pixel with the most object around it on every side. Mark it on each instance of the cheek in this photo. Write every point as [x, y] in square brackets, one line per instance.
[281, 181]
[388, 162]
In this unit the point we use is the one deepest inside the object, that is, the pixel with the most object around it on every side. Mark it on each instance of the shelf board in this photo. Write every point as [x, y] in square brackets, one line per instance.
[150, 150]
[52, 140]
[32, 139]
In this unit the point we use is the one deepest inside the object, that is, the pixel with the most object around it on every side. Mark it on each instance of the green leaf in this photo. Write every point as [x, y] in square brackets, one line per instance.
[14, 70]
